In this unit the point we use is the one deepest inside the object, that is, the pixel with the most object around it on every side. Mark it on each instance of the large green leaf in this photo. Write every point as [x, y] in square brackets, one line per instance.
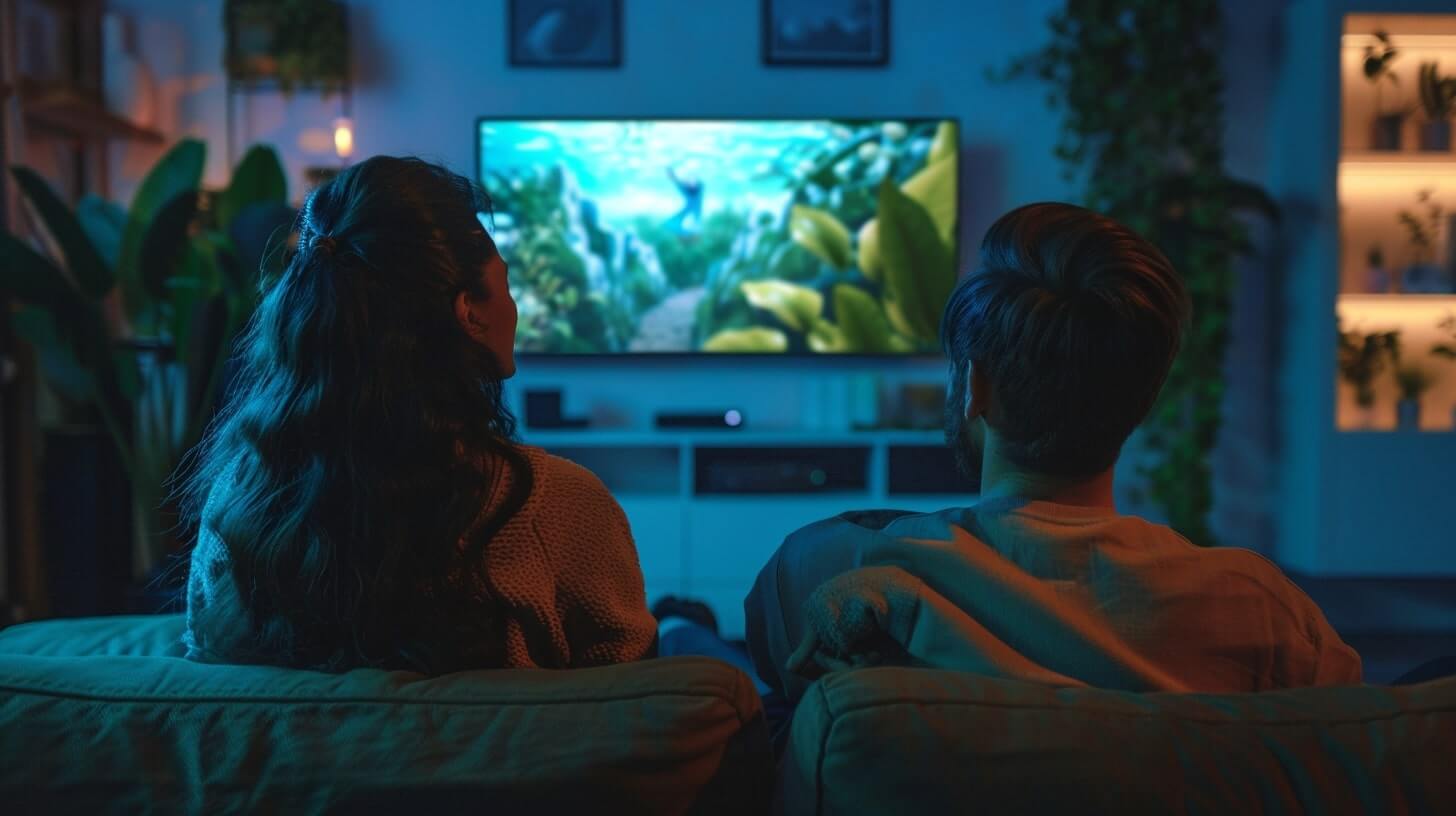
[869, 249]
[934, 188]
[861, 321]
[258, 179]
[30, 277]
[826, 338]
[797, 306]
[65, 373]
[822, 234]
[919, 270]
[756, 340]
[178, 172]
[947, 142]
[165, 244]
[104, 223]
[87, 268]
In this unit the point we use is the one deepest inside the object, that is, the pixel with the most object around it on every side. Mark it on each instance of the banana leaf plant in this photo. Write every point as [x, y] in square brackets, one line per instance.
[131, 313]
[906, 250]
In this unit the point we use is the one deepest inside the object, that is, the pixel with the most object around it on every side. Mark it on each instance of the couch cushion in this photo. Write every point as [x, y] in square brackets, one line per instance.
[129, 731]
[159, 635]
[919, 740]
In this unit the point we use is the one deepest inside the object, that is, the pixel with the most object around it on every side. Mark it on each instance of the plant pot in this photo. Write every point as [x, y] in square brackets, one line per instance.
[1377, 280]
[86, 522]
[1385, 132]
[1408, 415]
[1436, 136]
[1423, 278]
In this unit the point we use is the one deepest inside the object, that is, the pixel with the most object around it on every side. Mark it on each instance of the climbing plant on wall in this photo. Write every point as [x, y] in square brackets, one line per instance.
[1141, 88]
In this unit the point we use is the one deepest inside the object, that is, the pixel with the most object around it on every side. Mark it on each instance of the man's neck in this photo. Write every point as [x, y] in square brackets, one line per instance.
[1001, 478]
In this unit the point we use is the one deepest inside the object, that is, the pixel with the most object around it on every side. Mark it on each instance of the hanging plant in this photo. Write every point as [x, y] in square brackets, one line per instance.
[1141, 87]
[296, 43]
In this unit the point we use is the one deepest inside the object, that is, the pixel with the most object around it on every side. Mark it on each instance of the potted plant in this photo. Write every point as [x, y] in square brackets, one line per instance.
[1413, 382]
[295, 43]
[1423, 226]
[1386, 129]
[1377, 277]
[1447, 349]
[1361, 359]
[132, 314]
[1438, 99]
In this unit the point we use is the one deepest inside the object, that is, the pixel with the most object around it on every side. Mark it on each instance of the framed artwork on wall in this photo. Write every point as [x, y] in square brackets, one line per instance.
[564, 33]
[826, 32]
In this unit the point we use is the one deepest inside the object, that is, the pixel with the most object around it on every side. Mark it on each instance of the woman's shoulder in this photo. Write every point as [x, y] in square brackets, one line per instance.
[557, 478]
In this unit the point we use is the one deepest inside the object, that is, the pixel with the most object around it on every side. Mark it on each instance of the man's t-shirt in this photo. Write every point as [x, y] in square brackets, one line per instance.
[1076, 594]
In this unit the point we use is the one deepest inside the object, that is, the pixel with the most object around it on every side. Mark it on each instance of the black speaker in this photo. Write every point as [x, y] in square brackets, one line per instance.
[731, 419]
[543, 410]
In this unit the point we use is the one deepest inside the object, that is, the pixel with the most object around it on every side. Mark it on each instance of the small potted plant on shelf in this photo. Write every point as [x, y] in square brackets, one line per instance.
[1385, 132]
[1447, 349]
[1413, 381]
[1377, 277]
[1361, 359]
[1423, 228]
[1438, 100]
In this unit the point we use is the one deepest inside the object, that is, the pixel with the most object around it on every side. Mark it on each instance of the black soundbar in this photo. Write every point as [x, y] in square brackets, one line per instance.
[730, 419]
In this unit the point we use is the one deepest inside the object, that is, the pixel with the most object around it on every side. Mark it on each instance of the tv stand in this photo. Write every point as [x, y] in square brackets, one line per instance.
[709, 507]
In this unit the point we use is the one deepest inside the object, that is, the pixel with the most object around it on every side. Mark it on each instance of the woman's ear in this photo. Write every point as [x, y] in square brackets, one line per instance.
[978, 392]
[470, 314]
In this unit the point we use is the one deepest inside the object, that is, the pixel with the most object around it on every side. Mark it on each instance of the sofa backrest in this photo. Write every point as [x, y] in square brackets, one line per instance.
[925, 741]
[102, 715]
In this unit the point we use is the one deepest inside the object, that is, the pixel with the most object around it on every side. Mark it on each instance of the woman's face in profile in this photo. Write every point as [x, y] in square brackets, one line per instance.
[491, 320]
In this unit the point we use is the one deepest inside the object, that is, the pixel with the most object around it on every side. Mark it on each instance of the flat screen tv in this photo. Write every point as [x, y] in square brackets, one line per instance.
[823, 236]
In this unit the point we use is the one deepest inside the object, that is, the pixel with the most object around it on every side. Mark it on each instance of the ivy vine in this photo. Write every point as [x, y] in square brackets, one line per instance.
[1141, 87]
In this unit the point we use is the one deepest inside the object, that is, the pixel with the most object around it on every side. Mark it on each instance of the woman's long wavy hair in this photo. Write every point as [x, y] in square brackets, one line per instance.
[366, 436]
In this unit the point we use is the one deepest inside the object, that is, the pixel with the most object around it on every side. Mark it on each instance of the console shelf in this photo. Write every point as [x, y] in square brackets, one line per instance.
[708, 508]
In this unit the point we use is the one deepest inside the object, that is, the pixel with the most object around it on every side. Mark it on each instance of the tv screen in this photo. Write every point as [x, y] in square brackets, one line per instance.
[737, 236]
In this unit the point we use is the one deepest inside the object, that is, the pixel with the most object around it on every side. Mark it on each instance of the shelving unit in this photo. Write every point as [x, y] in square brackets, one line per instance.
[1357, 498]
[709, 508]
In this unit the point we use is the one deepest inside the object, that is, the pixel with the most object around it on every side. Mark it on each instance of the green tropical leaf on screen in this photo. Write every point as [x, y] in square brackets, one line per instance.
[258, 179]
[178, 171]
[822, 234]
[826, 338]
[946, 144]
[919, 270]
[934, 188]
[797, 306]
[861, 321]
[86, 265]
[757, 340]
[869, 249]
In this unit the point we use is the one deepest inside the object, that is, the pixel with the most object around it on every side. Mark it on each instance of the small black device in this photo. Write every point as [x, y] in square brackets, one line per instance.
[543, 411]
[730, 419]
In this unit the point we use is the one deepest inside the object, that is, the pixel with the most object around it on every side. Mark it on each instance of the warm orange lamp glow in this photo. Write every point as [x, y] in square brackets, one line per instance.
[343, 137]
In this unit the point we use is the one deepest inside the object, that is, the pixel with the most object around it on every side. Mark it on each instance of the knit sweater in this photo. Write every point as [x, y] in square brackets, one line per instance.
[563, 570]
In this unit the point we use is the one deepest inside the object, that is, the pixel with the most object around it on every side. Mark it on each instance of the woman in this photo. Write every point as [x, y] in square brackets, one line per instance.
[361, 502]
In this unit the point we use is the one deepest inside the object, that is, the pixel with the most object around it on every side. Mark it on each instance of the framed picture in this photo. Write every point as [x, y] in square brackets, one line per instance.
[826, 32]
[565, 33]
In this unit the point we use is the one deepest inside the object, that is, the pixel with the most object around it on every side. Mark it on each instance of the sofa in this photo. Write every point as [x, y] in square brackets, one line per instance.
[104, 715]
[896, 740]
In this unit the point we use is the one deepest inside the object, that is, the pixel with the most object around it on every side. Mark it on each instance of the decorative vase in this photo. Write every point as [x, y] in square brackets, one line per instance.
[1377, 280]
[1423, 278]
[1408, 415]
[129, 89]
[1436, 136]
[1386, 130]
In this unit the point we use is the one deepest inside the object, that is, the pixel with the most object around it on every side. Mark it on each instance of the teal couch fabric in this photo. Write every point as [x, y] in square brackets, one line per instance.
[104, 716]
[895, 740]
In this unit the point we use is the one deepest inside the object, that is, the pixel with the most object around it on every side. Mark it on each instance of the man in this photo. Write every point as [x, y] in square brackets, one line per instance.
[1059, 345]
